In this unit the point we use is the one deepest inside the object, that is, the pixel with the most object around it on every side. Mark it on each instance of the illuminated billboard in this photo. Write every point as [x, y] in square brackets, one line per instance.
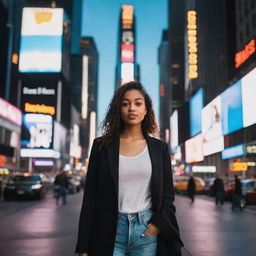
[174, 132]
[37, 131]
[41, 40]
[194, 149]
[211, 120]
[127, 16]
[195, 108]
[127, 52]
[127, 72]
[249, 98]
[232, 152]
[232, 114]
[213, 146]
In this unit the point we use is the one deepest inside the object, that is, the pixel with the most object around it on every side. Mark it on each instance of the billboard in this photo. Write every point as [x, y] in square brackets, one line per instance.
[174, 133]
[232, 152]
[37, 131]
[127, 72]
[39, 97]
[9, 112]
[41, 40]
[195, 107]
[194, 149]
[127, 52]
[249, 98]
[211, 120]
[232, 113]
[213, 146]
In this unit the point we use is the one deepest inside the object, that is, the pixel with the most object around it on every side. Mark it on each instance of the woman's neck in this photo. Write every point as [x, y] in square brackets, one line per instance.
[132, 132]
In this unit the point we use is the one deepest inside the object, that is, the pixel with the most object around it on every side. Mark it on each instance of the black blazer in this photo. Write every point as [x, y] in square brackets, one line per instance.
[98, 218]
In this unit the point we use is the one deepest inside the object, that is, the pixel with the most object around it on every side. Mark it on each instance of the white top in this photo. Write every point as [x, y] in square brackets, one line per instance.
[134, 182]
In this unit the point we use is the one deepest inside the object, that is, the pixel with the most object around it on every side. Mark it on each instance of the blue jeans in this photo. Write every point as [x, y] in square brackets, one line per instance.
[61, 193]
[129, 240]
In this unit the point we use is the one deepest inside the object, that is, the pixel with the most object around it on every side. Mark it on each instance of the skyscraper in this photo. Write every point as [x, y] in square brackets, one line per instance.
[127, 69]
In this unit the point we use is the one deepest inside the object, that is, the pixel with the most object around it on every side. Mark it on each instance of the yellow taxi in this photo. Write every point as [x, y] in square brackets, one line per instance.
[180, 183]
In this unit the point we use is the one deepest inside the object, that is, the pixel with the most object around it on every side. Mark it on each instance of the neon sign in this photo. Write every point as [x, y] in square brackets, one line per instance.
[39, 108]
[192, 45]
[243, 55]
[127, 16]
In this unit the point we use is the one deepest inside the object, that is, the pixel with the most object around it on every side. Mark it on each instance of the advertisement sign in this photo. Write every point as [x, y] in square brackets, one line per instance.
[127, 37]
[249, 98]
[203, 169]
[9, 112]
[232, 152]
[127, 72]
[242, 56]
[211, 120]
[127, 52]
[39, 97]
[37, 131]
[194, 149]
[231, 100]
[41, 40]
[250, 149]
[213, 146]
[60, 137]
[239, 167]
[195, 107]
[127, 16]
[174, 133]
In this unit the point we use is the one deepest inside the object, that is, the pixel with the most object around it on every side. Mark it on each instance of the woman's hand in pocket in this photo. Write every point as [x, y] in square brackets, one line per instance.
[152, 230]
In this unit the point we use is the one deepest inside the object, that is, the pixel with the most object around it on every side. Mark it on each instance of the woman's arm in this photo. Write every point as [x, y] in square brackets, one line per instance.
[88, 205]
[165, 219]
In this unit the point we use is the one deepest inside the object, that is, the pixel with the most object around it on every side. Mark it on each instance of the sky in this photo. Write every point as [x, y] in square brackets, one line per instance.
[100, 20]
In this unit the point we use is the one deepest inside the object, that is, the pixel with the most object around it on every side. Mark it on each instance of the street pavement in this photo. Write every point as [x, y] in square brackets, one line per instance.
[40, 228]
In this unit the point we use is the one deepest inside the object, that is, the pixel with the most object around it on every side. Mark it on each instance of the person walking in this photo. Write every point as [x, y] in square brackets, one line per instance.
[237, 194]
[128, 199]
[191, 188]
[218, 190]
[60, 186]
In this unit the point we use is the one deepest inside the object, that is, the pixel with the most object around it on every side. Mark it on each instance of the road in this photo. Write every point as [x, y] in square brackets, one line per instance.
[40, 228]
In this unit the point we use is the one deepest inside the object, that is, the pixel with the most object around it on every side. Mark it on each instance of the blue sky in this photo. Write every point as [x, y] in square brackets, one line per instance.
[100, 20]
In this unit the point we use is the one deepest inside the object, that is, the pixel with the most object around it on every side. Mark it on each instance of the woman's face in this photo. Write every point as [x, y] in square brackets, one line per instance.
[133, 107]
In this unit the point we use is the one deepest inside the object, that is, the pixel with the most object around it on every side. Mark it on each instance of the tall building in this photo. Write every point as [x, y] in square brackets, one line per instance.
[127, 68]
[84, 84]
[3, 46]
[164, 88]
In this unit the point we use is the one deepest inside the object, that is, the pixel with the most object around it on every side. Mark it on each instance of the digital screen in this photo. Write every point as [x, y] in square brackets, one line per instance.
[231, 100]
[37, 131]
[249, 98]
[195, 108]
[194, 149]
[127, 52]
[232, 152]
[211, 120]
[174, 130]
[127, 72]
[213, 146]
[41, 40]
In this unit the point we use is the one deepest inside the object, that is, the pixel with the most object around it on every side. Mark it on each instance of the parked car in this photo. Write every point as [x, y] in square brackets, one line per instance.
[181, 182]
[31, 185]
[208, 188]
[248, 187]
[74, 184]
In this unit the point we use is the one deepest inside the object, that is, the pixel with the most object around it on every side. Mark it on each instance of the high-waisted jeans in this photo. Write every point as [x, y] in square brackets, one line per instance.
[129, 239]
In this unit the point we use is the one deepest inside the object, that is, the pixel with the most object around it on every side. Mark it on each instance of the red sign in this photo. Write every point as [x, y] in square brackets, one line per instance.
[243, 55]
[127, 52]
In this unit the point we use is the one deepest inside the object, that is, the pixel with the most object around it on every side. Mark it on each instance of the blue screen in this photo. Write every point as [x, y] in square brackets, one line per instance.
[232, 114]
[195, 107]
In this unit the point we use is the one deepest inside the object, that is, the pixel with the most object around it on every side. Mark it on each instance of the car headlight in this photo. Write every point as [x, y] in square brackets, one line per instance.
[36, 186]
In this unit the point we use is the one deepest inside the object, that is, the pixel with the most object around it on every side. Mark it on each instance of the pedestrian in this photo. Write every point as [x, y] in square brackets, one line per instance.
[191, 188]
[218, 190]
[60, 186]
[128, 199]
[237, 194]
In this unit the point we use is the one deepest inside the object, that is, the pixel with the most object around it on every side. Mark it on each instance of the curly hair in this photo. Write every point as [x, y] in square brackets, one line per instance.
[113, 125]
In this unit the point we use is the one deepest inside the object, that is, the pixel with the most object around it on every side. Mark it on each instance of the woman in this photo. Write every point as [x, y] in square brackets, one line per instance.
[128, 201]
